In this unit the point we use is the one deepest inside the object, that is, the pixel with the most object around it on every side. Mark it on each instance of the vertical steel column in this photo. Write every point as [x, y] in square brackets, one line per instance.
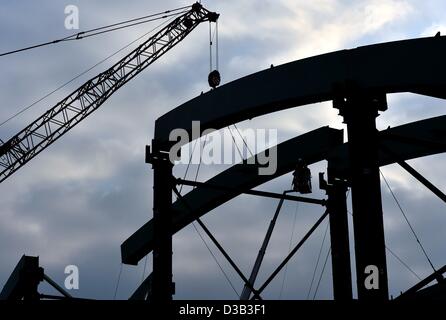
[162, 285]
[360, 111]
[340, 247]
[24, 281]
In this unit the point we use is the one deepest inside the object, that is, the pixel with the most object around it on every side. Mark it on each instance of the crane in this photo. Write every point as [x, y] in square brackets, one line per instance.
[55, 122]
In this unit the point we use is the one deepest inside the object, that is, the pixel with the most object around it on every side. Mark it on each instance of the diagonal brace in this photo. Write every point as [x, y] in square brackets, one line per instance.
[423, 180]
[255, 270]
[416, 174]
[291, 254]
[217, 244]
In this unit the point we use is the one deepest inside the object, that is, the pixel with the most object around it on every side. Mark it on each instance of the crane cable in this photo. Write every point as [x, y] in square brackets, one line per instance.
[244, 142]
[199, 164]
[213, 36]
[322, 273]
[214, 77]
[401, 261]
[144, 269]
[235, 143]
[388, 249]
[119, 279]
[408, 222]
[103, 29]
[317, 261]
[84, 72]
[289, 249]
[404, 264]
[210, 47]
[188, 164]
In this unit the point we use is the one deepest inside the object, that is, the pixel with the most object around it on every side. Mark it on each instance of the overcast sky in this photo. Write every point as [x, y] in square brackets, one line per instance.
[80, 199]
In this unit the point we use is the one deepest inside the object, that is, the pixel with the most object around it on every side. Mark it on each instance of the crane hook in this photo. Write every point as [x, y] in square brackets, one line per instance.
[214, 79]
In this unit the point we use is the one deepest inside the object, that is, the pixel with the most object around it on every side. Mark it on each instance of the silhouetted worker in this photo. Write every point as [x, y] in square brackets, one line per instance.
[302, 178]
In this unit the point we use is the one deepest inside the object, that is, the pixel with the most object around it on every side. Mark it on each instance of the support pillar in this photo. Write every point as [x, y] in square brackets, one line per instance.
[340, 246]
[360, 110]
[162, 285]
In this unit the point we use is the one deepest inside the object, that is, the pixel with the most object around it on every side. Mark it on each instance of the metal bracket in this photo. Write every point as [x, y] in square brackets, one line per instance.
[152, 156]
[348, 95]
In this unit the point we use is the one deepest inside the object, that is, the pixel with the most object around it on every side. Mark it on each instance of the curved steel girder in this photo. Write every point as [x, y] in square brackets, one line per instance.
[311, 146]
[415, 65]
[413, 140]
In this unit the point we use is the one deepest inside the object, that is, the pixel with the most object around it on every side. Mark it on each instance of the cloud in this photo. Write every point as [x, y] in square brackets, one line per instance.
[433, 29]
[77, 201]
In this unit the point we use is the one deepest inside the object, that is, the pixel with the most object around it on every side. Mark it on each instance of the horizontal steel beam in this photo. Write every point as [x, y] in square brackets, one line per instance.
[260, 193]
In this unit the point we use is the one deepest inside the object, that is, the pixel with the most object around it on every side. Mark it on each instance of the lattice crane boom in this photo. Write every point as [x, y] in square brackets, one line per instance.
[58, 120]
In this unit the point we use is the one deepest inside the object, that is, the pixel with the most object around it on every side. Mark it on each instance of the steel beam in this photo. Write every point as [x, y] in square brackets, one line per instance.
[24, 280]
[246, 293]
[323, 143]
[162, 288]
[144, 291]
[216, 243]
[423, 180]
[340, 247]
[312, 146]
[360, 110]
[290, 255]
[228, 258]
[415, 65]
[408, 141]
[56, 286]
[260, 193]
[410, 293]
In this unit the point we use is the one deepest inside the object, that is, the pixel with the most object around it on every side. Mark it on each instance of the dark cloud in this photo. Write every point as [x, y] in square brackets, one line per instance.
[76, 202]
